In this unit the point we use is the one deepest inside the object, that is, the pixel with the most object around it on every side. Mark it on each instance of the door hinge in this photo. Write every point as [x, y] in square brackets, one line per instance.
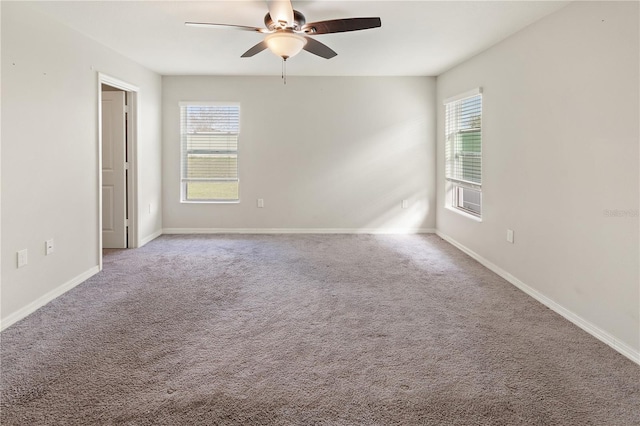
[126, 109]
[126, 166]
[126, 222]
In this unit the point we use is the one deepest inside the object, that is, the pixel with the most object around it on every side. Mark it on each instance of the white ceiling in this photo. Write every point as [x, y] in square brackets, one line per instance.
[417, 37]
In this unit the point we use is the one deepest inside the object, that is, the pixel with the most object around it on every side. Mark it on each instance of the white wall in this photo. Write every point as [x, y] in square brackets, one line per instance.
[50, 153]
[560, 149]
[325, 153]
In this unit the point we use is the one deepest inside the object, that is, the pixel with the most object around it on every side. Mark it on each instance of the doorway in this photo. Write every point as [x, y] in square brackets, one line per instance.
[117, 176]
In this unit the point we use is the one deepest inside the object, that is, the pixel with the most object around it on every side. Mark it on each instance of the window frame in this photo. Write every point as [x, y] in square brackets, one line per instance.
[184, 181]
[454, 184]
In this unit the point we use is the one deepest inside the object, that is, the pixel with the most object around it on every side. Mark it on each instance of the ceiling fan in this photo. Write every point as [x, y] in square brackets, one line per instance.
[287, 31]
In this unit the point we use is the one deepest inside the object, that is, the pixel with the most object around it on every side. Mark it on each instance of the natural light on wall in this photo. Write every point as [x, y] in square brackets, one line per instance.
[372, 156]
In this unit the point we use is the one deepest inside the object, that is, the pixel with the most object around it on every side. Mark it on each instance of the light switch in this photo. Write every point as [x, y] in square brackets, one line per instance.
[22, 258]
[48, 247]
[510, 235]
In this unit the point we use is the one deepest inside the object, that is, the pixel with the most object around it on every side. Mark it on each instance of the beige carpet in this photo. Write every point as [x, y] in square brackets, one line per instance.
[306, 329]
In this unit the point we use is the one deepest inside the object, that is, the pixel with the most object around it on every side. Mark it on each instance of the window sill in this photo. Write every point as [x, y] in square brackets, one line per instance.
[209, 202]
[463, 213]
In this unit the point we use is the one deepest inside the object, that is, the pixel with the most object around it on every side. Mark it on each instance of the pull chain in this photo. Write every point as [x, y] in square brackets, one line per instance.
[284, 69]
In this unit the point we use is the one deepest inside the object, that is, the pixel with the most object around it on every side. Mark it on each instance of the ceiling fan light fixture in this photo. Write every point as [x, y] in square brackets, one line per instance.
[285, 44]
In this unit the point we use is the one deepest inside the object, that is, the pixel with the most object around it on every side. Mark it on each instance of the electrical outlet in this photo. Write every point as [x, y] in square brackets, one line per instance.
[48, 247]
[22, 258]
[405, 204]
[510, 236]
[260, 203]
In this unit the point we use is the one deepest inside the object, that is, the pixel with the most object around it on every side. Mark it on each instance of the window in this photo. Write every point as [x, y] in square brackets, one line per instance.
[463, 133]
[209, 152]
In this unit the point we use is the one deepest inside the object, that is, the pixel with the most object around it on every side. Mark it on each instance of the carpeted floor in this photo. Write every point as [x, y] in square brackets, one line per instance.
[306, 329]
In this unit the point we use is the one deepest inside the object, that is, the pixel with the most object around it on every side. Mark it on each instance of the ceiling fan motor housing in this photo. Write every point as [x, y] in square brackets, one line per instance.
[298, 21]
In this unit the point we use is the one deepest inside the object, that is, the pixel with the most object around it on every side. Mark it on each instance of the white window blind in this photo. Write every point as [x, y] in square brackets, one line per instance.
[464, 141]
[463, 132]
[209, 146]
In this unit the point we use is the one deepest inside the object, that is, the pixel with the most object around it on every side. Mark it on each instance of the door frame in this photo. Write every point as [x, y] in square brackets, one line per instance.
[132, 155]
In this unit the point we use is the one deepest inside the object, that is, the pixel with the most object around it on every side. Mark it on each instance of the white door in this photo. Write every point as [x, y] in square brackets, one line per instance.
[114, 180]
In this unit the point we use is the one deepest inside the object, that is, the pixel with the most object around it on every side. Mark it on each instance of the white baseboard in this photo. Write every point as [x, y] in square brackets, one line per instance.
[43, 300]
[595, 331]
[298, 231]
[150, 238]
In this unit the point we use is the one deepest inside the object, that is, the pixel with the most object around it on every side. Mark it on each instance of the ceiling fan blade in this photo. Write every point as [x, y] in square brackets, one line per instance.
[281, 11]
[226, 26]
[255, 50]
[320, 49]
[341, 25]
